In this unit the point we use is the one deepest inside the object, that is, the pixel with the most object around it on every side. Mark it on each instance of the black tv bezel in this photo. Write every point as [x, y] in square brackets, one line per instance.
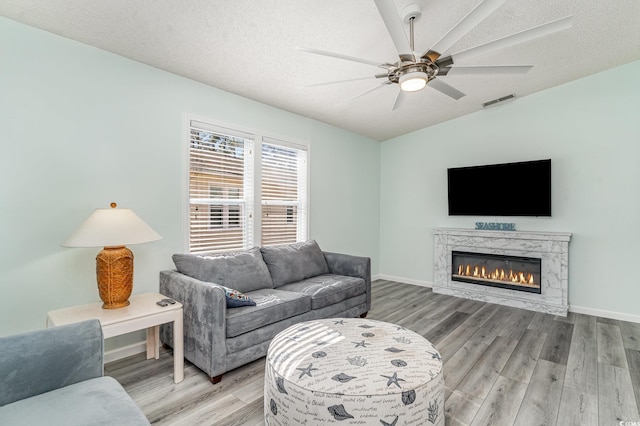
[531, 213]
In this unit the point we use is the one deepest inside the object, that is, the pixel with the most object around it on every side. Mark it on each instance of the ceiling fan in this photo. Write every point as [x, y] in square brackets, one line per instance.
[414, 71]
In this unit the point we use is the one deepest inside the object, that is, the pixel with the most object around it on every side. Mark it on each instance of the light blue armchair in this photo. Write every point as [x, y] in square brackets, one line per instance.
[55, 377]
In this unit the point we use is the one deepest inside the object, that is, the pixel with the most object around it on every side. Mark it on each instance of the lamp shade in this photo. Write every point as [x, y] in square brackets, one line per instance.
[111, 227]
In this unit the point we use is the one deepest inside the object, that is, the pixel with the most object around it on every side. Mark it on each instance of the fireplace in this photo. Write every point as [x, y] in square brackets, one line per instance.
[496, 270]
[535, 263]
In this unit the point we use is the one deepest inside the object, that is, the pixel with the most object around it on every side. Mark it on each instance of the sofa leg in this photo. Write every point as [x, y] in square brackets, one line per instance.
[167, 347]
[364, 315]
[216, 379]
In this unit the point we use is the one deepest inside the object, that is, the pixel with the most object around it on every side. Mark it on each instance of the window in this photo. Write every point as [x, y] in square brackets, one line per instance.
[220, 189]
[224, 215]
[283, 188]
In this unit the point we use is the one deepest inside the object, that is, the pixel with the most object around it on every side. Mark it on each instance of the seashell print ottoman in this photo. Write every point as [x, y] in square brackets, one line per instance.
[352, 371]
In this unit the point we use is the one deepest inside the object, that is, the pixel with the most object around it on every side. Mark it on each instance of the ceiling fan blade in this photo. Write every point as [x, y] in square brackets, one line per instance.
[485, 70]
[443, 87]
[394, 25]
[345, 57]
[340, 81]
[466, 24]
[362, 94]
[399, 99]
[521, 37]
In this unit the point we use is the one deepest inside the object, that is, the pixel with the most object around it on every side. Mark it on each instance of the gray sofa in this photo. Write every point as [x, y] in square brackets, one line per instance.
[289, 284]
[55, 377]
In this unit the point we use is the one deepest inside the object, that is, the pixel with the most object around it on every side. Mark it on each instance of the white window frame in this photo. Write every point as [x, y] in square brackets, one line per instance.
[253, 238]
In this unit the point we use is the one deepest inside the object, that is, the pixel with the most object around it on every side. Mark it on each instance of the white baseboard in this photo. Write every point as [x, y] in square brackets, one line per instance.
[605, 314]
[572, 308]
[404, 280]
[125, 351]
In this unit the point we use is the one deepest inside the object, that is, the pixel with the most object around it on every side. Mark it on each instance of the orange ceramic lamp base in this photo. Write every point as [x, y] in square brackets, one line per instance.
[114, 270]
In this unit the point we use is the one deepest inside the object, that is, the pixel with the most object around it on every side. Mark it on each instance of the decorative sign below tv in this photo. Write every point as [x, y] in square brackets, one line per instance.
[509, 189]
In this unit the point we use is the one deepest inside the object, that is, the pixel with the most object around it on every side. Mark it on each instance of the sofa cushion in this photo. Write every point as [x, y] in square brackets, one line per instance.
[100, 401]
[244, 271]
[272, 305]
[246, 341]
[328, 289]
[294, 262]
[235, 299]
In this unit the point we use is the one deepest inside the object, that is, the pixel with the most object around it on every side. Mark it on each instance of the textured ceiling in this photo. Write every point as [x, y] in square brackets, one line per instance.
[248, 47]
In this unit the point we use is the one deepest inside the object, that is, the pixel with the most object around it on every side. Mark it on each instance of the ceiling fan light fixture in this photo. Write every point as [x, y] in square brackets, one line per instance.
[413, 81]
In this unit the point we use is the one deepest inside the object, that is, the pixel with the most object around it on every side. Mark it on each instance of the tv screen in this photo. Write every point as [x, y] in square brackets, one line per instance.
[509, 189]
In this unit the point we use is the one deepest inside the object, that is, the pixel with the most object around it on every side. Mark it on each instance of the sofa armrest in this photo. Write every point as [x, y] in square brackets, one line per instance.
[205, 325]
[352, 266]
[41, 361]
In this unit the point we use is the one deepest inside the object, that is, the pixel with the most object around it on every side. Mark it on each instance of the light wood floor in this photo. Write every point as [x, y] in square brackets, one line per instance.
[503, 366]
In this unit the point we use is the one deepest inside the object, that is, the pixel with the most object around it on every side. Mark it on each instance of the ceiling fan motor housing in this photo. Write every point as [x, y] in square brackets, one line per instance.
[427, 67]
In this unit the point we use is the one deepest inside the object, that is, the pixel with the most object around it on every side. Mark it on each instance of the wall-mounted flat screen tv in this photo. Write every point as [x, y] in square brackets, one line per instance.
[509, 189]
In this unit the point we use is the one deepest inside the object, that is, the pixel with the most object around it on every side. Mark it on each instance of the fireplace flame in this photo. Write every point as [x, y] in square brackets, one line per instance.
[510, 276]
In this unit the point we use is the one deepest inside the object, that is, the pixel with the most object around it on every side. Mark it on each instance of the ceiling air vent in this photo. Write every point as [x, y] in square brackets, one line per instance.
[496, 101]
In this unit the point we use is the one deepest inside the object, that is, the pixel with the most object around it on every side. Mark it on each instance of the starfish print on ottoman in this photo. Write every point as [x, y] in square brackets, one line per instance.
[360, 344]
[307, 371]
[393, 379]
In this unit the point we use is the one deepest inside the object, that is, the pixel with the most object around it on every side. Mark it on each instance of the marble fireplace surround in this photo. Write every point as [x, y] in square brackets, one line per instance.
[551, 247]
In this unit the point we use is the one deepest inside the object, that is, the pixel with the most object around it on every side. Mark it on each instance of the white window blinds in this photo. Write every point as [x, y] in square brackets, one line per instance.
[221, 182]
[284, 192]
[225, 176]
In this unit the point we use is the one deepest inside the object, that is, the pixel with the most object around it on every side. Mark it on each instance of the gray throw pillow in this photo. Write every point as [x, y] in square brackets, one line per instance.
[294, 262]
[244, 271]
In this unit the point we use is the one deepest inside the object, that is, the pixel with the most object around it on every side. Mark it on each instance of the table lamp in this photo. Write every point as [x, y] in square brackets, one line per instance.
[112, 229]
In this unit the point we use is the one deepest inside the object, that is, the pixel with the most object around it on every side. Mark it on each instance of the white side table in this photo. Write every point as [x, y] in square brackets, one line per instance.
[142, 313]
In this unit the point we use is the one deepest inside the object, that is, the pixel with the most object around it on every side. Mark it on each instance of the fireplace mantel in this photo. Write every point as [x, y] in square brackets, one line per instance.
[551, 247]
